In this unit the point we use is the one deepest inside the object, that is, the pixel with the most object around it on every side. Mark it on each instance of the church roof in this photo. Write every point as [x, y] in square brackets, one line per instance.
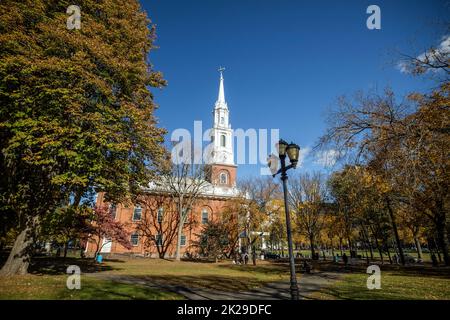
[207, 189]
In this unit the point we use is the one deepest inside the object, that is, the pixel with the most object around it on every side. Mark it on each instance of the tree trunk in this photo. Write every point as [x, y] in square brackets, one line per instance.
[367, 241]
[394, 228]
[442, 239]
[66, 247]
[97, 249]
[20, 255]
[388, 252]
[418, 247]
[377, 244]
[311, 243]
[350, 245]
[380, 250]
[180, 232]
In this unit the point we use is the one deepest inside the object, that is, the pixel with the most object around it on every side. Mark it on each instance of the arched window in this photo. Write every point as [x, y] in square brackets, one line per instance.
[223, 141]
[223, 178]
[205, 217]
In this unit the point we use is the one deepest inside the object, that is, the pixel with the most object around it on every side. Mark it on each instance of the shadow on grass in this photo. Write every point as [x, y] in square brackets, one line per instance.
[209, 282]
[394, 269]
[278, 269]
[58, 266]
[113, 290]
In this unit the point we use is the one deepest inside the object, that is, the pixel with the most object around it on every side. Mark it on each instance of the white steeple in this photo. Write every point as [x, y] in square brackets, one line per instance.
[221, 103]
[221, 132]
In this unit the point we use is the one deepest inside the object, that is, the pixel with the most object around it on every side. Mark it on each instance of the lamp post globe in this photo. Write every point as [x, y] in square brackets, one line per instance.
[293, 152]
[282, 146]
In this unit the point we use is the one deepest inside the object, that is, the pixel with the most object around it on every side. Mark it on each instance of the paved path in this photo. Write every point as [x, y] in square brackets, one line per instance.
[308, 283]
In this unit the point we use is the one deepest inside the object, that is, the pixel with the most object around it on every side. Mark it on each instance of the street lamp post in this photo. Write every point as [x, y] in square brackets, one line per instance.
[292, 150]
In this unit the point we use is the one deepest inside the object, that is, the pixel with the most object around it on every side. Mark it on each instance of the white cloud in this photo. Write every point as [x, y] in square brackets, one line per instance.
[302, 155]
[327, 158]
[441, 51]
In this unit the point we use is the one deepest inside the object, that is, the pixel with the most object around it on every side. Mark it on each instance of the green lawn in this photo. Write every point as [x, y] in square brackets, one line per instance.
[54, 287]
[47, 279]
[223, 276]
[395, 285]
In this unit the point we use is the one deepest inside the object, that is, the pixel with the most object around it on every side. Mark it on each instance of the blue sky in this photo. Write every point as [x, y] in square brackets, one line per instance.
[286, 61]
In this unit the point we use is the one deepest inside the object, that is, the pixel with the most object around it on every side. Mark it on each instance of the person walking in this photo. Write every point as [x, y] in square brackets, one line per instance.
[345, 258]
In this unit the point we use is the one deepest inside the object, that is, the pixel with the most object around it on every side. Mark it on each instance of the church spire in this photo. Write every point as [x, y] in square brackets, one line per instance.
[221, 97]
[221, 133]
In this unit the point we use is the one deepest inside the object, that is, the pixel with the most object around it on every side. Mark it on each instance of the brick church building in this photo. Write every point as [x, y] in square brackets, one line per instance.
[219, 188]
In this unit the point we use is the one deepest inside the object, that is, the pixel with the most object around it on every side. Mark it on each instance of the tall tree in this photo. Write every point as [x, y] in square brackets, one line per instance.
[103, 227]
[159, 223]
[67, 224]
[256, 206]
[76, 111]
[308, 195]
[185, 183]
[219, 237]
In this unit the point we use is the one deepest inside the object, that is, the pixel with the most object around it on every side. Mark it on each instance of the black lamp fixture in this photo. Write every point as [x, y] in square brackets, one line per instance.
[293, 152]
[282, 146]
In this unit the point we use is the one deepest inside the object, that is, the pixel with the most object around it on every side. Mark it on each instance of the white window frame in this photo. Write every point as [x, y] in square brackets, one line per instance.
[223, 174]
[134, 211]
[135, 234]
[207, 216]
[160, 215]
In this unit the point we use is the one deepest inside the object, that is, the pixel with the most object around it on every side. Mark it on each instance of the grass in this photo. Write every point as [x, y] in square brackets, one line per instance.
[396, 284]
[218, 276]
[54, 287]
[136, 279]
[47, 278]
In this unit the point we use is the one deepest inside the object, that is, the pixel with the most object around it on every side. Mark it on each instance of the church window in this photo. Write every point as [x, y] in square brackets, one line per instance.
[135, 239]
[160, 214]
[159, 239]
[113, 210]
[222, 120]
[223, 141]
[223, 178]
[137, 213]
[204, 216]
